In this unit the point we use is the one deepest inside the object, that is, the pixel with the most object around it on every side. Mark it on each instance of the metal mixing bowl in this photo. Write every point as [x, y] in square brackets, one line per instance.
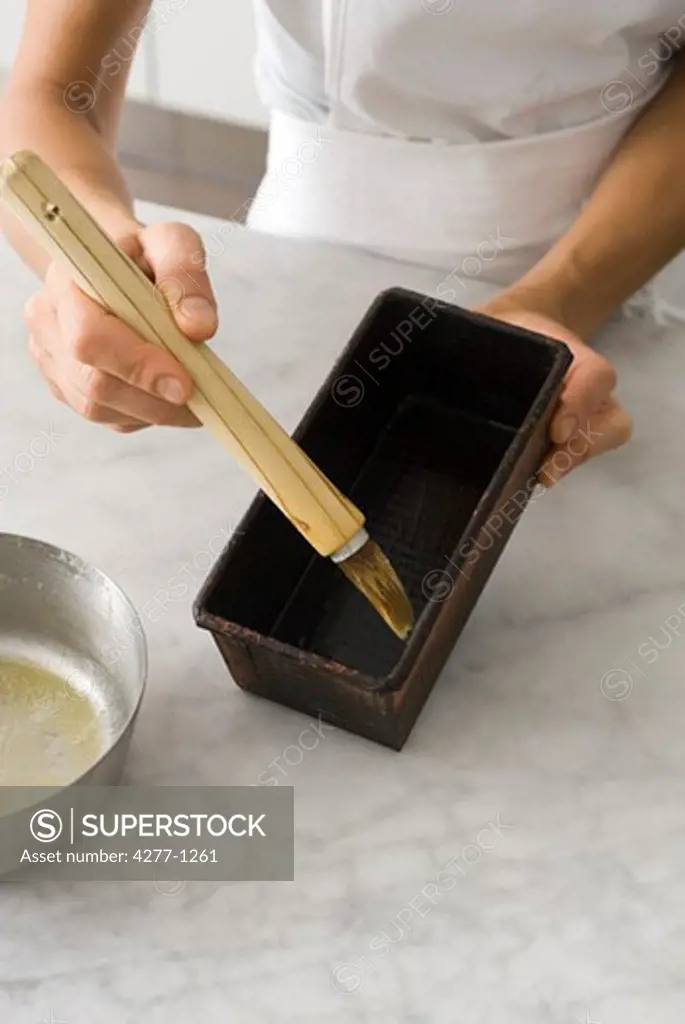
[68, 617]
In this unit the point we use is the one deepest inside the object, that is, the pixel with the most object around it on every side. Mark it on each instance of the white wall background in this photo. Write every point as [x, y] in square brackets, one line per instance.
[204, 51]
[195, 55]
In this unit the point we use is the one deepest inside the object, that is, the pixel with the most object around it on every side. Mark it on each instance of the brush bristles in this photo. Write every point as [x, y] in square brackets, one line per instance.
[374, 576]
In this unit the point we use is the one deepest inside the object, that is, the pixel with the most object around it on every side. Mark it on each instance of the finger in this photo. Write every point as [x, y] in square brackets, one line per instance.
[41, 359]
[177, 256]
[133, 247]
[101, 398]
[588, 384]
[41, 318]
[607, 429]
[89, 410]
[102, 392]
[91, 336]
[70, 394]
[94, 393]
[39, 311]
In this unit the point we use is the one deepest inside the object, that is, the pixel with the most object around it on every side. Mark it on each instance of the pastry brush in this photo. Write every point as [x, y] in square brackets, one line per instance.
[331, 523]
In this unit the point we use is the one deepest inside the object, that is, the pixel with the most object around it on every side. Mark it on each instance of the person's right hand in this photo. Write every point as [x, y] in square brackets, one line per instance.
[99, 366]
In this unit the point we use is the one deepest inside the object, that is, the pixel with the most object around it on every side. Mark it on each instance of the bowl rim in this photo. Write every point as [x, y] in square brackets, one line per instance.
[17, 540]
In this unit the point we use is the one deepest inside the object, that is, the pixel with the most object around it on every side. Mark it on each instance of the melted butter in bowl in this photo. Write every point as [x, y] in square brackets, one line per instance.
[50, 731]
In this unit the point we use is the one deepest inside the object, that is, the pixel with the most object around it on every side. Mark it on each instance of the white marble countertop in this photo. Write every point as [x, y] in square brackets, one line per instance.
[560, 808]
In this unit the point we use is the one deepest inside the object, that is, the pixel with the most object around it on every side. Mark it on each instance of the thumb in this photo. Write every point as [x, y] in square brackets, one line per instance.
[588, 387]
[176, 256]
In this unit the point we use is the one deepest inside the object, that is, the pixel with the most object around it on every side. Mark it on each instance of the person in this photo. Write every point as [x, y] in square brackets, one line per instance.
[421, 129]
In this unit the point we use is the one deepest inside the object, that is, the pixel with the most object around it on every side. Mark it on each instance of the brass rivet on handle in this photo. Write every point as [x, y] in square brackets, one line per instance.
[51, 211]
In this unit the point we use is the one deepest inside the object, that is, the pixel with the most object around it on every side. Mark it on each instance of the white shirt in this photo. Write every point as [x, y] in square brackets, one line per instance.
[531, 96]
[462, 70]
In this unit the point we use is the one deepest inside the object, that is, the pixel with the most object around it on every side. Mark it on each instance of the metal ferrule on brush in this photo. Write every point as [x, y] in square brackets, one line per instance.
[351, 547]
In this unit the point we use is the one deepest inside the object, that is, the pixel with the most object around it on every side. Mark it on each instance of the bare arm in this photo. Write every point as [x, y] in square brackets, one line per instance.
[633, 224]
[64, 99]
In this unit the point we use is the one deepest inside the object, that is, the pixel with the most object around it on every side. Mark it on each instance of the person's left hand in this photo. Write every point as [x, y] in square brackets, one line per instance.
[588, 419]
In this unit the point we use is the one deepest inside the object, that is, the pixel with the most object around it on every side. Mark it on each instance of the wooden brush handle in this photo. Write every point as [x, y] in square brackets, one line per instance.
[221, 402]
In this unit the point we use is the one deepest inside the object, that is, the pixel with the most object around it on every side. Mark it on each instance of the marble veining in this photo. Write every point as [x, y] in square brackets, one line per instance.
[521, 861]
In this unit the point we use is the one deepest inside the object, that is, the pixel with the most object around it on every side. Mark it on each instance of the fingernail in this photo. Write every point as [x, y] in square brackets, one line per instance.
[565, 429]
[200, 311]
[171, 390]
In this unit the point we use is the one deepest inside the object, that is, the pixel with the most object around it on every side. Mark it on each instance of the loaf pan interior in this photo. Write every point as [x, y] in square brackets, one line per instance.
[412, 424]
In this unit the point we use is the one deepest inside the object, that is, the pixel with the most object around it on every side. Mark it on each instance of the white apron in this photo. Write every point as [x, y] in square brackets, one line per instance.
[493, 203]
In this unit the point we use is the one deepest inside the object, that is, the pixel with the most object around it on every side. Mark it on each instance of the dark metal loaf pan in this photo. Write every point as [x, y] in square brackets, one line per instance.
[434, 421]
